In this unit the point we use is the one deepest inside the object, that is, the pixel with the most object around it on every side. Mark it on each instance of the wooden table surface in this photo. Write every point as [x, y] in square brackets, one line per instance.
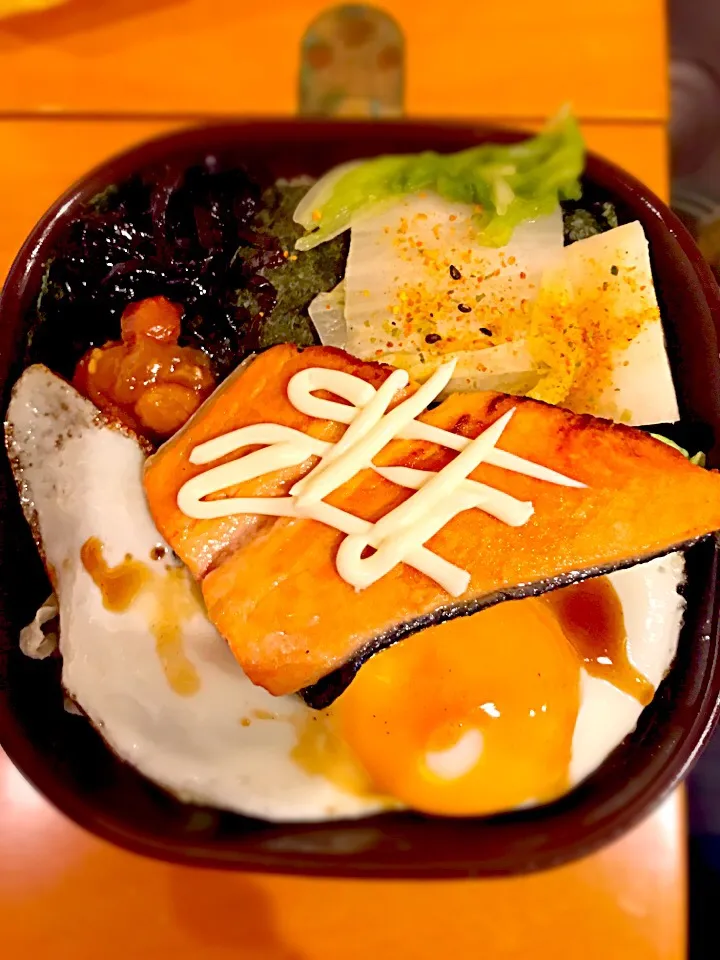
[492, 59]
[66, 896]
[88, 78]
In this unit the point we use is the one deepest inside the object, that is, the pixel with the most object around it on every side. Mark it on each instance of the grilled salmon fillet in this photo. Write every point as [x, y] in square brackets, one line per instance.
[255, 393]
[289, 617]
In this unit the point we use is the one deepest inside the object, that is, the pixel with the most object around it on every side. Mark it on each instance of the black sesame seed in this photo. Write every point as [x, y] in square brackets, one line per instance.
[614, 270]
[486, 330]
[464, 308]
[454, 272]
[432, 338]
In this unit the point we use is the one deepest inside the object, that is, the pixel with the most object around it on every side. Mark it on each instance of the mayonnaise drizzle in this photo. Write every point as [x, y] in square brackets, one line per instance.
[400, 535]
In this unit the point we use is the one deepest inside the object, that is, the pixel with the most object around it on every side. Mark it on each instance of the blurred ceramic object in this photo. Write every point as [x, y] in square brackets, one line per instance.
[352, 64]
[695, 115]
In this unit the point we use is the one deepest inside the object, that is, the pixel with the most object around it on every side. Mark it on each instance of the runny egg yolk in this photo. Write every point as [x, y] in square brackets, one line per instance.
[470, 717]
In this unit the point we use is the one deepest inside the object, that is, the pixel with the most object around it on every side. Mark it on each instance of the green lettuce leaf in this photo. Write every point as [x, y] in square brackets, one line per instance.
[507, 184]
[698, 459]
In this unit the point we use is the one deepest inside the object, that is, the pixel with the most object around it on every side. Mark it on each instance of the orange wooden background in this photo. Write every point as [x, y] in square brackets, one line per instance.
[493, 59]
[87, 79]
[66, 896]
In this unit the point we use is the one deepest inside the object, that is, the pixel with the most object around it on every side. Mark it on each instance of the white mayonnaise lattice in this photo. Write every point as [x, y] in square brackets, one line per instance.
[400, 535]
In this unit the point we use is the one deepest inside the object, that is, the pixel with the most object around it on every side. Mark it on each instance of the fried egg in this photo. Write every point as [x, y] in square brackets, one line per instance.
[477, 715]
[152, 674]
[497, 711]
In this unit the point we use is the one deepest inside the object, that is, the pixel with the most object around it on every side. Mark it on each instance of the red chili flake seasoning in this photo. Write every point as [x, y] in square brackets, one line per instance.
[523, 275]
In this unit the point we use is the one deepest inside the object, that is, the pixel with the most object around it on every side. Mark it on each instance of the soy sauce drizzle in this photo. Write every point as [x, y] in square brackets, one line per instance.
[591, 617]
[169, 605]
[119, 585]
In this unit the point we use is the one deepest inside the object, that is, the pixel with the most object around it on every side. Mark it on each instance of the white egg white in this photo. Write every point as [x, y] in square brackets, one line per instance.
[653, 612]
[82, 479]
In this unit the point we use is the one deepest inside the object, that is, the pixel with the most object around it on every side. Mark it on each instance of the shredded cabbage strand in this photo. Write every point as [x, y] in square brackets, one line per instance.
[506, 183]
[698, 459]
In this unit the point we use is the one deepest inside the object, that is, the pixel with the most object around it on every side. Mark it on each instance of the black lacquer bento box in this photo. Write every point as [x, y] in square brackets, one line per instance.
[68, 761]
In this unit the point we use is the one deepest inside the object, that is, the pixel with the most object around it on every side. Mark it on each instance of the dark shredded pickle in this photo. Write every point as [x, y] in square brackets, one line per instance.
[205, 237]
